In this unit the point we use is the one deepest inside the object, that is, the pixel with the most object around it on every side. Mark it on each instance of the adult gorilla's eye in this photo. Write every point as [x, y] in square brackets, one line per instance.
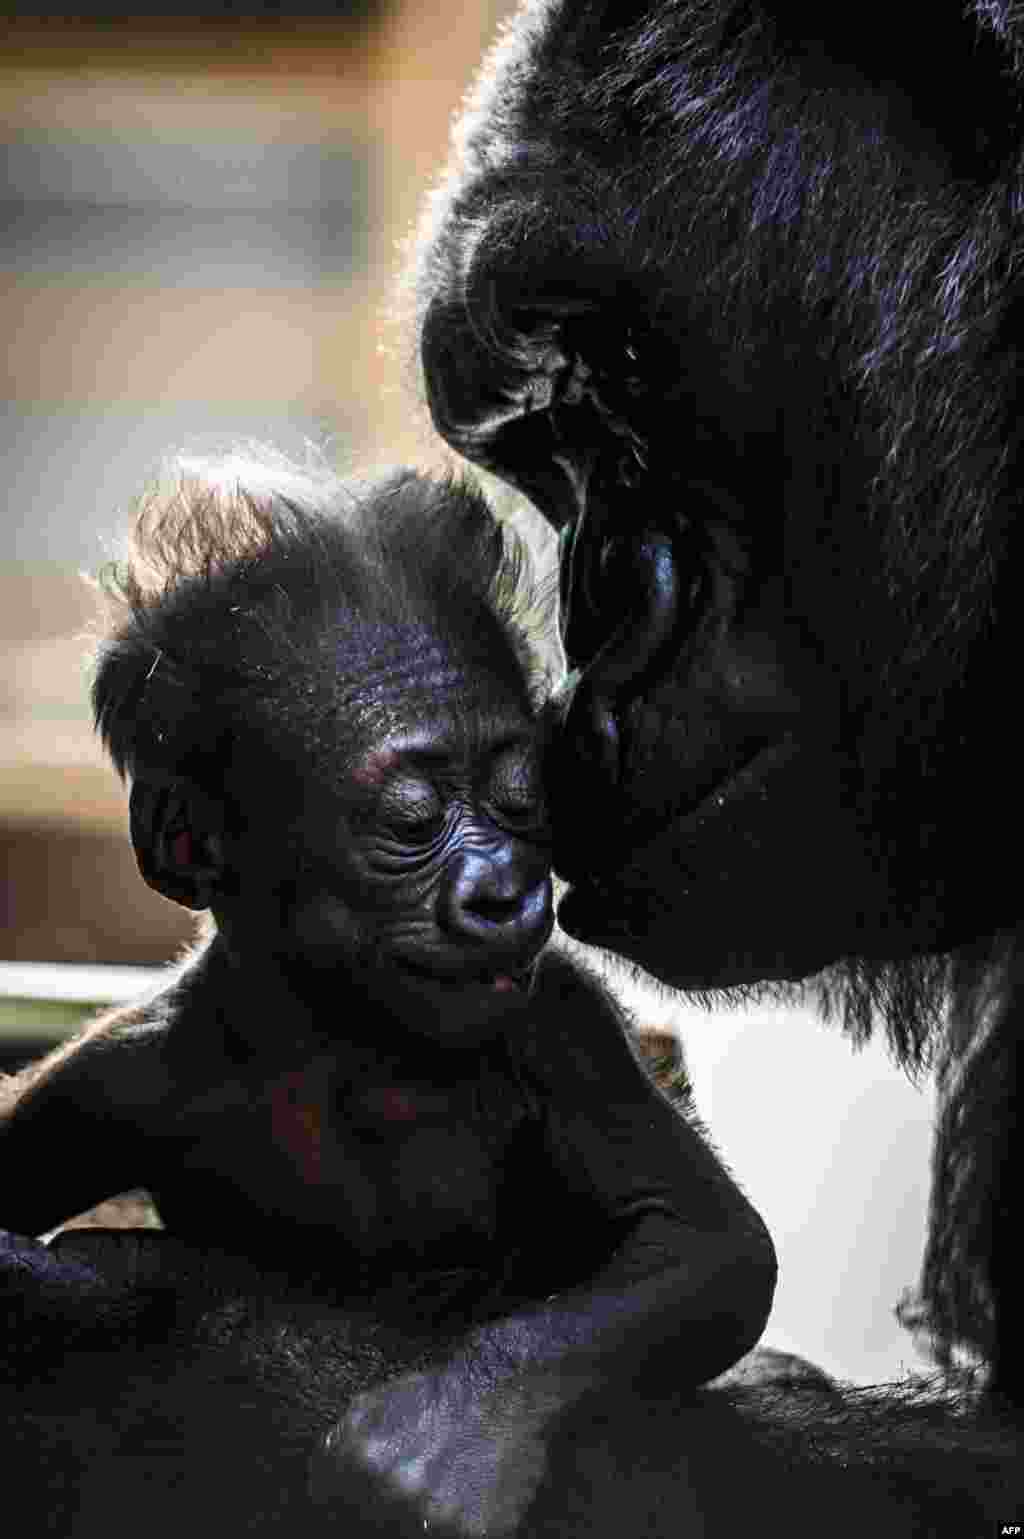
[616, 567]
[606, 580]
[681, 568]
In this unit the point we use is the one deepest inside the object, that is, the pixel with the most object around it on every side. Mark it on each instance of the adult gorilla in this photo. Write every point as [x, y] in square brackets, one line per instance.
[732, 290]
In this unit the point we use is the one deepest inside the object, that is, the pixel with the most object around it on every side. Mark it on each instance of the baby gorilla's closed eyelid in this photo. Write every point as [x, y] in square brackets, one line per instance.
[411, 807]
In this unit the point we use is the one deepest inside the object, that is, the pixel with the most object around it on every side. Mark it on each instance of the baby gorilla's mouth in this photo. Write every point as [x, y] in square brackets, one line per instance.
[493, 980]
[504, 983]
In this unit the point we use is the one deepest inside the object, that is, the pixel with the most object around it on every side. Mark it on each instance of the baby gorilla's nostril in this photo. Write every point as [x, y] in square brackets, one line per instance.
[495, 910]
[501, 905]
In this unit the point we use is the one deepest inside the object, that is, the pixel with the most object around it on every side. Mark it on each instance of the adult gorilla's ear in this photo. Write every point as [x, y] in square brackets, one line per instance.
[178, 835]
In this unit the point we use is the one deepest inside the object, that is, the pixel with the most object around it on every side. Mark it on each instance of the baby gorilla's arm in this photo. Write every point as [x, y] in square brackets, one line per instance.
[691, 1265]
[690, 1268]
[92, 1100]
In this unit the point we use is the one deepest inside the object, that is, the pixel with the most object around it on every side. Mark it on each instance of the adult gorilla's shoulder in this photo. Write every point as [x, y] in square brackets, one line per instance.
[731, 289]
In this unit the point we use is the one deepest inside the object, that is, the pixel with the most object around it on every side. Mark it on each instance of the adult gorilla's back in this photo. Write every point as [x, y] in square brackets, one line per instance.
[732, 289]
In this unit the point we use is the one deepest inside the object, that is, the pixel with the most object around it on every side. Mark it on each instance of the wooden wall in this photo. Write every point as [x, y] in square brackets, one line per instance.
[200, 224]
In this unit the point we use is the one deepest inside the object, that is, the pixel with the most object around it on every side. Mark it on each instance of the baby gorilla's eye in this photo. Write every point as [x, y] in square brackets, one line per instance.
[515, 799]
[412, 811]
[528, 820]
[415, 829]
[518, 810]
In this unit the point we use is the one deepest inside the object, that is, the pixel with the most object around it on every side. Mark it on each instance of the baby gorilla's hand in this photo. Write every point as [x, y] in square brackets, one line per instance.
[453, 1451]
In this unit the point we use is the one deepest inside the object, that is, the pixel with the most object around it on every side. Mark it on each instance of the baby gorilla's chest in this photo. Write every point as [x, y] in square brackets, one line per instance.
[413, 1164]
[393, 1163]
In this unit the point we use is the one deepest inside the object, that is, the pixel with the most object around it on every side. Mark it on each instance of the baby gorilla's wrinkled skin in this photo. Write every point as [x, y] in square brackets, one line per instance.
[373, 1067]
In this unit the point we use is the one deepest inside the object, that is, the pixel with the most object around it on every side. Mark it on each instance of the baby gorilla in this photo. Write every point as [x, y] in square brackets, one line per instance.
[326, 703]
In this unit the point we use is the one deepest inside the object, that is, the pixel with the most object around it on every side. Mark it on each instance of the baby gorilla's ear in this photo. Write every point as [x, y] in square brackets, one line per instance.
[178, 834]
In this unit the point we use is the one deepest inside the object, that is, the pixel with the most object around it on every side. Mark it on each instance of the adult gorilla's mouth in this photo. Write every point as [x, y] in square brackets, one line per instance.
[680, 827]
[691, 824]
[709, 939]
[704, 896]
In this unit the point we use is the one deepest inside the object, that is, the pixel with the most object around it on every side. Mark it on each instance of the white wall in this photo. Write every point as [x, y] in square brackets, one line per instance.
[833, 1147]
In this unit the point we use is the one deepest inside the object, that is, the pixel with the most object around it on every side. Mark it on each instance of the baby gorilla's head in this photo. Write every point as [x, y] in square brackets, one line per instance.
[326, 699]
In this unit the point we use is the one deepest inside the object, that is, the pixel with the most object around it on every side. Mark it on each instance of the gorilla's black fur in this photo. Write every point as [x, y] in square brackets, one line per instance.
[732, 289]
[204, 1416]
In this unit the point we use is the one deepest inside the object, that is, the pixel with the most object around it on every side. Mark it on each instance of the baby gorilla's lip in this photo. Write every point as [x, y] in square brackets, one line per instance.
[494, 980]
[504, 982]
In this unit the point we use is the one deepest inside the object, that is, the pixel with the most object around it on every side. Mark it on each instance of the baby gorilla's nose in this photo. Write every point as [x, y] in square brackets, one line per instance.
[501, 903]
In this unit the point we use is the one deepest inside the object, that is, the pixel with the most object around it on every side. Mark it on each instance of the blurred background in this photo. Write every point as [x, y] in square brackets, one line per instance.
[200, 238]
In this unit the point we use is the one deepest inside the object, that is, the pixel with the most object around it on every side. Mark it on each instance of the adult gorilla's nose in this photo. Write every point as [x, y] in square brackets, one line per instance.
[500, 900]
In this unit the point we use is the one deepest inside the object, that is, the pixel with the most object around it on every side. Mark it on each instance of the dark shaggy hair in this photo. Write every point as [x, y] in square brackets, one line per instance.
[257, 592]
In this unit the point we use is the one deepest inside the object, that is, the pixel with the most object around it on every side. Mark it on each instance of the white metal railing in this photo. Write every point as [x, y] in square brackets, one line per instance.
[76, 983]
[45, 1001]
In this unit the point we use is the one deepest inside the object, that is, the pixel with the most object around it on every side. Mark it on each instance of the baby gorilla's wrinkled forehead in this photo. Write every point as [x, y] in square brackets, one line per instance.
[369, 696]
[385, 674]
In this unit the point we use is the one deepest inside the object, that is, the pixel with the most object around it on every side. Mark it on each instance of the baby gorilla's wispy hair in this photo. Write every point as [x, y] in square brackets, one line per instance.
[256, 591]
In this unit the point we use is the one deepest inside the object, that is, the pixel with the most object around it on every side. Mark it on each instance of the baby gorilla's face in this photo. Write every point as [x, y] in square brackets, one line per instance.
[424, 874]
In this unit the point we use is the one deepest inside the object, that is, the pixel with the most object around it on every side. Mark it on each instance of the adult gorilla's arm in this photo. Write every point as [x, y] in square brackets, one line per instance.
[737, 314]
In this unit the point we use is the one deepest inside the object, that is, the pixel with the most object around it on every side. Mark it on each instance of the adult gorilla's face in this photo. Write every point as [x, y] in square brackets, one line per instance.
[740, 321]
